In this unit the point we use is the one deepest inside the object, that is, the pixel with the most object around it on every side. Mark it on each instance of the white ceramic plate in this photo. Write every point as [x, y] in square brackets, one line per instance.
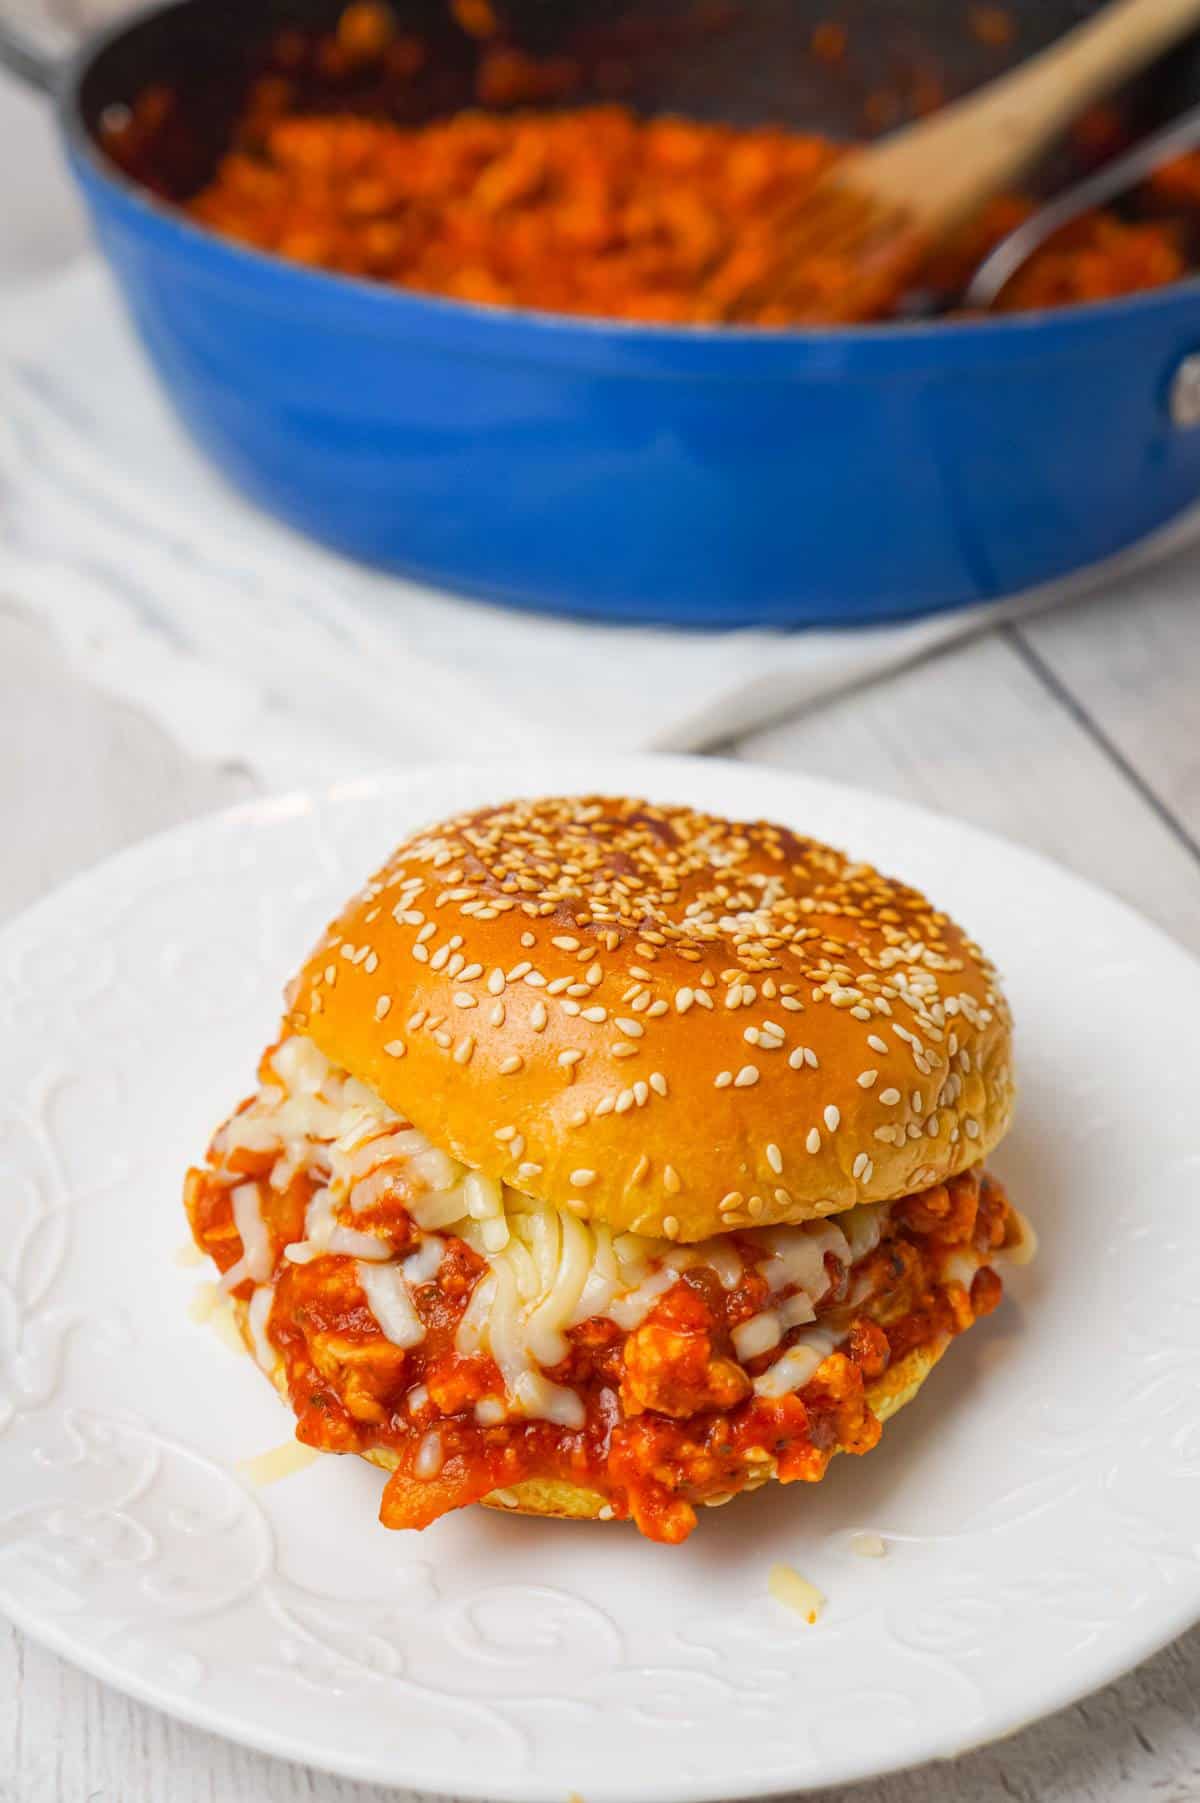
[1039, 1502]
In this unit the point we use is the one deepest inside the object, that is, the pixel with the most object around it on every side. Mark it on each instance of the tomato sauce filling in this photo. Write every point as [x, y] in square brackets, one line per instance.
[671, 1418]
[527, 200]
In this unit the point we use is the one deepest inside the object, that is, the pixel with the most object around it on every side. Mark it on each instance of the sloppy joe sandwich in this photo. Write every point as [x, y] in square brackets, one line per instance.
[614, 1159]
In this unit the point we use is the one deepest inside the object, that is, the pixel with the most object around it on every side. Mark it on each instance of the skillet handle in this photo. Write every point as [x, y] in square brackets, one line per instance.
[29, 56]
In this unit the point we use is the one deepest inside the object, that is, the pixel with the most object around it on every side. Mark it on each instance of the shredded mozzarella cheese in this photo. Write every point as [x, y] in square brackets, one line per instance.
[388, 1298]
[280, 1462]
[257, 1316]
[547, 1270]
[794, 1592]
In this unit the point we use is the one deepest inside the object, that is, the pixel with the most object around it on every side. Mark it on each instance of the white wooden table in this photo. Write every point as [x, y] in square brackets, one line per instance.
[1078, 734]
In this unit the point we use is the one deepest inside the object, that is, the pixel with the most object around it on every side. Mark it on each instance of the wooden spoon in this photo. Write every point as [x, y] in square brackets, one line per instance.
[855, 242]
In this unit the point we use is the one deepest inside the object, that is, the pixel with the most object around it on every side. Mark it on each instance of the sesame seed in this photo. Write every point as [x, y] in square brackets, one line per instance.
[567, 1059]
[528, 939]
[640, 1169]
[420, 954]
[383, 1007]
[633, 1029]
[417, 1021]
[444, 1040]
[792, 1004]
[497, 1014]
[867, 1079]
[624, 1101]
[658, 1083]
[796, 1058]
[641, 1093]
[527, 1171]
[656, 1010]
[671, 1227]
[876, 1044]
[775, 1159]
[722, 1080]
[518, 971]
[860, 1165]
[683, 999]
[463, 1000]
[511, 1065]
[565, 943]
[813, 1142]
[593, 975]
[582, 1178]
[595, 1015]
[395, 1048]
[622, 1048]
[702, 998]
[464, 1049]
[470, 974]
[495, 982]
[889, 1096]
[671, 1180]
[732, 1199]
[746, 1077]
[538, 1016]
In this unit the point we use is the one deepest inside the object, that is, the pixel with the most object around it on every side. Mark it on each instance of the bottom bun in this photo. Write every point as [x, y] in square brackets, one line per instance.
[555, 1498]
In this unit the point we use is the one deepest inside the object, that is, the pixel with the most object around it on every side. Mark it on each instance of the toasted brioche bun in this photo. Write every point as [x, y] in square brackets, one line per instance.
[569, 1502]
[546, 989]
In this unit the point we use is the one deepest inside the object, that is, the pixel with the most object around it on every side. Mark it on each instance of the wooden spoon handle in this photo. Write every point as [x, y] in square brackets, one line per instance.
[945, 166]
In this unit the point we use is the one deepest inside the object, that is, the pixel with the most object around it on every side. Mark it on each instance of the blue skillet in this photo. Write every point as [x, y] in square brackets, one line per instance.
[719, 477]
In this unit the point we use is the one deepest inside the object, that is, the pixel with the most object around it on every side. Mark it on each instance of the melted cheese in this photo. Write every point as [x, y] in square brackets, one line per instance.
[1025, 1249]
[547, 1271]
[257, 1260]
[787, 1587]
[389, 1300]
[280, 1462]
[257, 1316]
[795, 1367]
[431, 1455]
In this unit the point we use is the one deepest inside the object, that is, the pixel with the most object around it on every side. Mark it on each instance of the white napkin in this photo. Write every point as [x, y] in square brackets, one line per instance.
[248, 643]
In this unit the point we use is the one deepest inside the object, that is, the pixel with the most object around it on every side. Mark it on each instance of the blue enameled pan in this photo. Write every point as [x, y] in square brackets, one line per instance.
[693, 476]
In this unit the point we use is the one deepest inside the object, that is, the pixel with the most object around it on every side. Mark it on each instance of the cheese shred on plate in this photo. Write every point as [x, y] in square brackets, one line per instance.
[280, 1462]
[787, 1587]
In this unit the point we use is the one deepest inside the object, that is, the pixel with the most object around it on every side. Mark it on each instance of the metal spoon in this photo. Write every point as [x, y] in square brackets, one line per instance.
[1114, 179]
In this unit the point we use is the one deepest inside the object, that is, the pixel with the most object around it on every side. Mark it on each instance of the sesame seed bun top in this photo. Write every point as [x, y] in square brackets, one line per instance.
[663, 1020]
